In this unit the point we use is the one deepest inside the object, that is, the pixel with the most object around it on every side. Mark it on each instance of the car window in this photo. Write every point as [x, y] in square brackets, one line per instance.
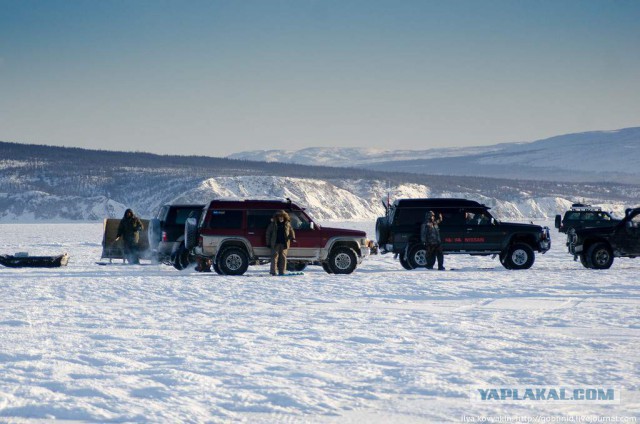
[409, 216]
[299, 221]
[572, 216]
[604, 216]
[179, 216]
[221, 219]
[259, 218]
[451, 217]
[478, 217]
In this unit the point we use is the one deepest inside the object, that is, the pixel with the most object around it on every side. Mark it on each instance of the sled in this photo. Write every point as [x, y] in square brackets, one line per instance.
[24, 261]
[112, 249]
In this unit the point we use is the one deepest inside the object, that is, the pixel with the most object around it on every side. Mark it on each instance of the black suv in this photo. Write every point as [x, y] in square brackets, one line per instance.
[166, 230]
[596, 247]
[582, 216]
[467, 228]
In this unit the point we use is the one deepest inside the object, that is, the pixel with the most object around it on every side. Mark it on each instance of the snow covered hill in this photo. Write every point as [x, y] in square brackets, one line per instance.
[325, 199]
[58, 184]
[588, 156]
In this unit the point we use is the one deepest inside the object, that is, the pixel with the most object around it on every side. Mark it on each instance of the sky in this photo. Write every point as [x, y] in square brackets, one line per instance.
[217, 77]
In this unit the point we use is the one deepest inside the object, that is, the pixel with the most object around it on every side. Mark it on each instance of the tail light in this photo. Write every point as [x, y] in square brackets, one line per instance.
[164, 236]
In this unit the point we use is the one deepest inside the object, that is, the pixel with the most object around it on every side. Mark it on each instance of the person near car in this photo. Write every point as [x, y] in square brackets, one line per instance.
[280, 234]
[430, 236]
[129, 231]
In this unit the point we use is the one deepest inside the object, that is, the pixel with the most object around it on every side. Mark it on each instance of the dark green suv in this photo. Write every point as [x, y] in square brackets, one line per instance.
[467, 228]
[584, 216]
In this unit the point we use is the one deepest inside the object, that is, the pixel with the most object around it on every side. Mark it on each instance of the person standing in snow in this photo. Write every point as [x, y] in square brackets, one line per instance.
[279, 236]
[129, 230]
[430, 236]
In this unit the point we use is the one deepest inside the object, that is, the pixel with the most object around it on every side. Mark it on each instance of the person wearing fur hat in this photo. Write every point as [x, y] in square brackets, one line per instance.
[129, 230]
[279, 236]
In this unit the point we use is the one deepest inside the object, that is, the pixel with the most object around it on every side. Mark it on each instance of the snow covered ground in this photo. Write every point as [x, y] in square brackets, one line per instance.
[152, 344]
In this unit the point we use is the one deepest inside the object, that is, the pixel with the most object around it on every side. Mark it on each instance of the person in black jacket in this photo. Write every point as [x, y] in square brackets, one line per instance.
[129, 230]
[279, 236]
[430, 236]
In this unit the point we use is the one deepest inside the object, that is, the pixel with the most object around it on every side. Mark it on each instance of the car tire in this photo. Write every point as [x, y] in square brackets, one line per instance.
[343, 260]
[190, 233]
[296, 266]
[382, 231]
[327, 268]
[583, 260]
[503, 260]
[180, 257]
[405, 263]
[217, 269]
[233, 261]
[519, 256]
[600, 256]
[417, 256]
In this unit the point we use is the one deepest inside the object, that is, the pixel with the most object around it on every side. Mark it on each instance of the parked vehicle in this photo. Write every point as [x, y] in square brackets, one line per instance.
[582, 216]
[166, 230]
[596, 247]
[231, 235]
[467, 228]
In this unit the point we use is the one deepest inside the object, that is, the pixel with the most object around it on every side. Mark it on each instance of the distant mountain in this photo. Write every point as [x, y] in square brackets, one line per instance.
[60, 184]
[590, 156]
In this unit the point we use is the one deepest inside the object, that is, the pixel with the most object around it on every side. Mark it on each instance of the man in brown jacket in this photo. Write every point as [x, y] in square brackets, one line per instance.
[279, 237]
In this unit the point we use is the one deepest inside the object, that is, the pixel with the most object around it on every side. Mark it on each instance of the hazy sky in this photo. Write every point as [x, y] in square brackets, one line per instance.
[216, 77]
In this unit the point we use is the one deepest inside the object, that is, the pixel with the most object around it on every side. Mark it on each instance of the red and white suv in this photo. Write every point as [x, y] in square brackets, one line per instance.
[231, 235]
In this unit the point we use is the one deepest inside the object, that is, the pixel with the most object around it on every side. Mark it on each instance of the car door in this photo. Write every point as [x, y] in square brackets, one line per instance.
[482, 232]
[630, 242]
[256, 230]
[307, 243]
[452, 229]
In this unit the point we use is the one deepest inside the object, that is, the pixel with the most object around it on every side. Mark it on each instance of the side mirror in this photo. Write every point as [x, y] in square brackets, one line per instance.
[629, 224]
[558, 221]
[312, 225]
[493, 221]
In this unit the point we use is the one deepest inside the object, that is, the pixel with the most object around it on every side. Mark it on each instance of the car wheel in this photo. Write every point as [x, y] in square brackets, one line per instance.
[191, 233]
[584, 261]
[327, 268]
[417, 257]
[233, 261]
[180, 257]
[343, 260]
[503, 260]
[600, 256]
[519, 256]
[296, 266]
[405, 263]
[217, 269]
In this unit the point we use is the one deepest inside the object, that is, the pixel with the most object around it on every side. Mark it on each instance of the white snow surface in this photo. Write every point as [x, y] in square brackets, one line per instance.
[119, 343]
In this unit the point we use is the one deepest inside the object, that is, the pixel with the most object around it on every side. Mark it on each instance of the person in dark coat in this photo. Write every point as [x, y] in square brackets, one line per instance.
[129, 230]
[430, 236]
[279, 236]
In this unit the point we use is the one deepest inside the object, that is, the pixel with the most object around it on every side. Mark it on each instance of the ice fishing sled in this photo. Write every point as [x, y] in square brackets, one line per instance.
[26, 261]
